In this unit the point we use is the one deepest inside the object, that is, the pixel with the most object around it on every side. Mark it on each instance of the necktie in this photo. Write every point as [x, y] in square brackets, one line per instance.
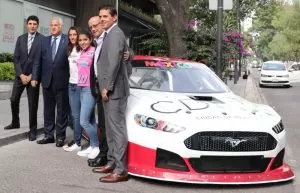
[105, 33]
[29, 44]
[53, 48]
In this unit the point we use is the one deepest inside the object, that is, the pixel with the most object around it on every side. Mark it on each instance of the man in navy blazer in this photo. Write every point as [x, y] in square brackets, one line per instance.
[54, 72]
[26, 53]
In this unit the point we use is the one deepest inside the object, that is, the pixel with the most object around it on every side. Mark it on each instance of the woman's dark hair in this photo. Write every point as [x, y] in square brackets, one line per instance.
[88, 34]
[70, 45]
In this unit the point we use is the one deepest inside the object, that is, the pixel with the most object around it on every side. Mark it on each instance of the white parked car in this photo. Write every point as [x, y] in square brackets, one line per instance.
[274, 73]
[294, 70]
[185, 125]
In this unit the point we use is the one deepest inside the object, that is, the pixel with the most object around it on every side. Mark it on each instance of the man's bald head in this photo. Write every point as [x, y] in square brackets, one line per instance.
[95, 27]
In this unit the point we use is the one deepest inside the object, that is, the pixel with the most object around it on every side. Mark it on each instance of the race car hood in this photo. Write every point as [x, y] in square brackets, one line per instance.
[204, 109]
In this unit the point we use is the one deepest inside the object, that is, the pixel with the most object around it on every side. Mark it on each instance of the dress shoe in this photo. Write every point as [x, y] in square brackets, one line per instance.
[60, 142]
[45, 141]
[98, 161]
[104, 169]
[12, 126]
[114, 178]
[31, 137]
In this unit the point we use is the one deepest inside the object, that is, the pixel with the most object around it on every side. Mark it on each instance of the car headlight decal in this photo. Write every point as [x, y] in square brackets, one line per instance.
[278, 128]
[155, 124]
[263, 75]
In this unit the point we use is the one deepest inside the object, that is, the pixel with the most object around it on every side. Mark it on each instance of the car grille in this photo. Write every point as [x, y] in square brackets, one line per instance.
[229, 164]
[231, 141]
[266, 81]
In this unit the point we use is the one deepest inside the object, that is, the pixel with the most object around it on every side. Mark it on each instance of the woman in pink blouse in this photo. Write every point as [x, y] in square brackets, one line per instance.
[88, 101]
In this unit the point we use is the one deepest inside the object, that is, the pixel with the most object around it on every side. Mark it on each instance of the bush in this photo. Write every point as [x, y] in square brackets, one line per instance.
[7, 71]
[6, 57]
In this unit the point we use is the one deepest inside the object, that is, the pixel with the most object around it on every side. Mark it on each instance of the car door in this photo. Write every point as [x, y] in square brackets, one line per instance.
[294, 73]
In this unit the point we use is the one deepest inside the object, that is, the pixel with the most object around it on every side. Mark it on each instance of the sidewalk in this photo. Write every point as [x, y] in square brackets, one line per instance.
[246, 88]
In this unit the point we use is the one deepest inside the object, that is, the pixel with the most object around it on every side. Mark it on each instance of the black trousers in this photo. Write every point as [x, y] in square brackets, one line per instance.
[55, 99]
[101, 127]
[33, 102]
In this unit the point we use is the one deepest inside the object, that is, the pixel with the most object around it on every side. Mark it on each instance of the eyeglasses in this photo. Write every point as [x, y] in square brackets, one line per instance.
[93, 26]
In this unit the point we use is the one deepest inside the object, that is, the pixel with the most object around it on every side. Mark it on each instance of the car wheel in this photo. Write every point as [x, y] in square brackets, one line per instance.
[261, 86]
[287, 86]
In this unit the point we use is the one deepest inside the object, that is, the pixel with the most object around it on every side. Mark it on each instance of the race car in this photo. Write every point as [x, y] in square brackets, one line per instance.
[185, 125]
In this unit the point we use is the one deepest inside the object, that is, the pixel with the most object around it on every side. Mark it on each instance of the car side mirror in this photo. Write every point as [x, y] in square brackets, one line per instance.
[259, 69]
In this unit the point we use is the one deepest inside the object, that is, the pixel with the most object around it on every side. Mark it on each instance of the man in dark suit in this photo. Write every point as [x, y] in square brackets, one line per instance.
[114, 88]
[26, 53]
[55, 79]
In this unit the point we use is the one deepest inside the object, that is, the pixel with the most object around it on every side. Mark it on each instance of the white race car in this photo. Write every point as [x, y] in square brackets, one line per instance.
[185, 125]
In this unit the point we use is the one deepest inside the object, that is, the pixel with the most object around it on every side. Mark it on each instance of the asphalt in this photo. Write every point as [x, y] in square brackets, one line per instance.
[245, 88]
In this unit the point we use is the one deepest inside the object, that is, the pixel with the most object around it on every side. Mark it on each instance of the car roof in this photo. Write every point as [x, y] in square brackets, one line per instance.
[158, 58]
[274, 61]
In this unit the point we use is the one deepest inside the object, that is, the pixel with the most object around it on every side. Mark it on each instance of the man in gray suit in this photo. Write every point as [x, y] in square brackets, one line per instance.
[114, 87]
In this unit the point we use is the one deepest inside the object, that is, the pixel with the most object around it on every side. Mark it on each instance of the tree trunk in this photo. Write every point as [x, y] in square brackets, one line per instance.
[174, 15]
[88, 8]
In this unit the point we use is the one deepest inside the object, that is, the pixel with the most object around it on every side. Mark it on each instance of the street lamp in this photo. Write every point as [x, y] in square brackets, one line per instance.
[220, 38]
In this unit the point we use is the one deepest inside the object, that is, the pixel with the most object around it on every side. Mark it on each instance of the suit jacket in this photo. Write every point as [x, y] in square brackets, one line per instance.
[55, 72]
[93, 78]
[112, 73]
[24, 62]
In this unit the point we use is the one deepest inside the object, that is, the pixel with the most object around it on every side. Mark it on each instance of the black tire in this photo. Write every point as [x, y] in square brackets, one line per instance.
[261, 86]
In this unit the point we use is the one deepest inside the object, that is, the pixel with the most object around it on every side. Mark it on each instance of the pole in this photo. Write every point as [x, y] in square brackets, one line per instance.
[239, 30]
[220, 38]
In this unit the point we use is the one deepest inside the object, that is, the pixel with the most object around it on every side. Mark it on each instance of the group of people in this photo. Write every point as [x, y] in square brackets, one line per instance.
[77, 71]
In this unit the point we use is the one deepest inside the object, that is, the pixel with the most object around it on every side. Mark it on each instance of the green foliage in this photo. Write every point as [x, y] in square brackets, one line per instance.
[201, 45]
[7, 71]
[286, 43]
[263, 25]
[6, 57]
[155, 44]
[138, 13]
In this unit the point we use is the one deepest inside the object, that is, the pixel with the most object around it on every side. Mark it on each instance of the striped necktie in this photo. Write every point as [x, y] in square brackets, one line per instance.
[29, 43]
[53, 48]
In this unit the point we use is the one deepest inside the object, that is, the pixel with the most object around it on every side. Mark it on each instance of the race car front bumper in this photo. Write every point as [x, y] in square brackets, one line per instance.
[168, 166]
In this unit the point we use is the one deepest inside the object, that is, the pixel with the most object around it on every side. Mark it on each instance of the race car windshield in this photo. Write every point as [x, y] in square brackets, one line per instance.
[178, 77]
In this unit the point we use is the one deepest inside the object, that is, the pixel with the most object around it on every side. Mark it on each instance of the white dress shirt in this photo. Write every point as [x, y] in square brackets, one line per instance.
[99, 41]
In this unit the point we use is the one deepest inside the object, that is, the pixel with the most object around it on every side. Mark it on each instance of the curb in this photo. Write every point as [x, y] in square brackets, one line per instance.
[260, 93]
[18, 137]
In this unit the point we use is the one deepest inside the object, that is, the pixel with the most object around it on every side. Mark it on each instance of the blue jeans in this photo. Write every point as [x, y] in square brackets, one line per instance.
[87, 115]
[74, 100]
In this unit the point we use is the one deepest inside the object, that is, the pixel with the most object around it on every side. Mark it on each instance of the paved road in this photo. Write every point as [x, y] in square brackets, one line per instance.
[30, 168]
[286, 101]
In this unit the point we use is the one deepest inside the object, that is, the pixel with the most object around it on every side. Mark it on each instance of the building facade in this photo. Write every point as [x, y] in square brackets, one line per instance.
[13, 15]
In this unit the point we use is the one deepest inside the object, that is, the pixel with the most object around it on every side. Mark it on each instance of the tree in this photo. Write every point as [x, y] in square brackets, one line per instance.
[86, 9]
[174, 14]
[262, 26]
[286, 43]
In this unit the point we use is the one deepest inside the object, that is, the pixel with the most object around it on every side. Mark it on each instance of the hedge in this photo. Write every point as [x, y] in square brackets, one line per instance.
[6, 57]
[7, 71]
